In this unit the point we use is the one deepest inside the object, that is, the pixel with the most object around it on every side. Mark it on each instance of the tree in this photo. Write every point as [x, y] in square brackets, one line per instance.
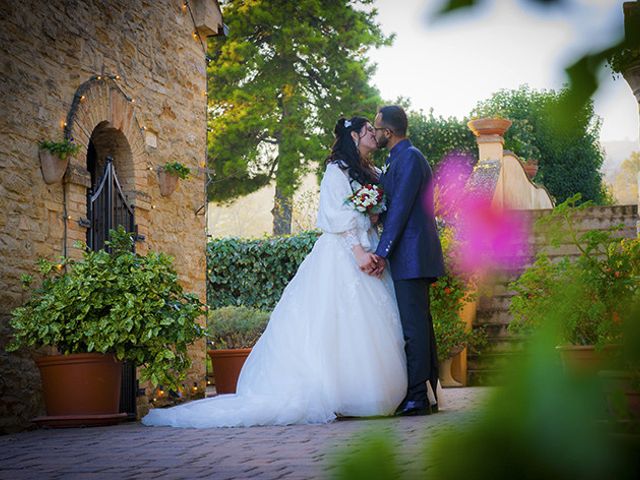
[625, 183]
[569, 156]
[436, 137]
[277, 85]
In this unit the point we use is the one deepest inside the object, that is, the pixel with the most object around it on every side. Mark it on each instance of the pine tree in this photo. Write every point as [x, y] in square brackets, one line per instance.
[277, 85]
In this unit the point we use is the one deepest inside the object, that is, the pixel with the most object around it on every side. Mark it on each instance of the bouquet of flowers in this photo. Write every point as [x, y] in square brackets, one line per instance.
[368, 199]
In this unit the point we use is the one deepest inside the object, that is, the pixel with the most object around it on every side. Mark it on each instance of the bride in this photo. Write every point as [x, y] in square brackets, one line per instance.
[334, 344]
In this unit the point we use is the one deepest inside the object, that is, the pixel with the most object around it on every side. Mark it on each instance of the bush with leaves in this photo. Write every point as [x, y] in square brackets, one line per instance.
[605, 278]
[254, 272]
[448, 295]
[118, 302]
[236, 327]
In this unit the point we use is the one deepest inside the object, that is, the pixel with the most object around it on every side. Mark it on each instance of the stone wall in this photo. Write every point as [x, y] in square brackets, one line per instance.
[131, 76]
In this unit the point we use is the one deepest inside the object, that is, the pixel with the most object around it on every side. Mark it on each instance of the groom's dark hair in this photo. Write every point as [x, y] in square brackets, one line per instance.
[395, 119]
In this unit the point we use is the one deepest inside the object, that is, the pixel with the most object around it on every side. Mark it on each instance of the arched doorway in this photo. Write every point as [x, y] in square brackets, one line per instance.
[108, 156]
[110, 166]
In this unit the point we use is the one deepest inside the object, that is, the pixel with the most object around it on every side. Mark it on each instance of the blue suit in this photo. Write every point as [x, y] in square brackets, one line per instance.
[411, 245]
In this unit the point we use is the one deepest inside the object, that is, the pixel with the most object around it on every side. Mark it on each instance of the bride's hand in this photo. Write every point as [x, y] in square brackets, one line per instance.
[365, 260]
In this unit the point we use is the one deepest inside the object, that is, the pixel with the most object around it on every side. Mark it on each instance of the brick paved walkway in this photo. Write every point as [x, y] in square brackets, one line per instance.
[134, 451]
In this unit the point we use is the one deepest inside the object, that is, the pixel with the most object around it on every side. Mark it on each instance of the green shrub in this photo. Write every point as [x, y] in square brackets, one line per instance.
[118, 302]
[254, 272]
[593, 290]
[236, 327]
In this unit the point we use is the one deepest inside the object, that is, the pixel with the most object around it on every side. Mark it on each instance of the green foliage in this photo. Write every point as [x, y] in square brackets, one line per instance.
[598, 285]
[117, 302]
[177, 169]
[569, 157]
[277, 84]
[449, 295]
[437, 137]
[236, 327]
[62, 149]
[254, 272]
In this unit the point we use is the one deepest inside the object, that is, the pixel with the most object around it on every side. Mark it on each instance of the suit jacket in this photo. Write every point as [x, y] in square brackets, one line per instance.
[409, 239]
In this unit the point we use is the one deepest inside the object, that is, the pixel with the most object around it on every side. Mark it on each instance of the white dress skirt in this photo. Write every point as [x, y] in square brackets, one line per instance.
[333, 345]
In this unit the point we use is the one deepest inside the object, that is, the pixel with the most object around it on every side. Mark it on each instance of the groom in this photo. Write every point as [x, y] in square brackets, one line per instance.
[410, 243]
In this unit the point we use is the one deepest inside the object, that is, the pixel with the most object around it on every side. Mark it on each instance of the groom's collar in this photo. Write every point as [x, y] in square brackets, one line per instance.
[401, 146]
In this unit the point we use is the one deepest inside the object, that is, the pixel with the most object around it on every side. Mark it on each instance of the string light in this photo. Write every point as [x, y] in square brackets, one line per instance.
[184, 7]
[133, 100]
[195, 36]
[99, 77]
[117, 77]
[143, 128]
[83, 98]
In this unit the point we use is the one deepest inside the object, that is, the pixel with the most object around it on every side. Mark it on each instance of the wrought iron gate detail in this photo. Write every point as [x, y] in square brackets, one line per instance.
[107, 209]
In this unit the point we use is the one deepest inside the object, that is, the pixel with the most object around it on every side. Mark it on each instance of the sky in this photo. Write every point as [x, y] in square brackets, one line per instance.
[451, 64]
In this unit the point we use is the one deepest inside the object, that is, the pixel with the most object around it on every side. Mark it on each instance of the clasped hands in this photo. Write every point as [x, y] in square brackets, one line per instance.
[369, 263]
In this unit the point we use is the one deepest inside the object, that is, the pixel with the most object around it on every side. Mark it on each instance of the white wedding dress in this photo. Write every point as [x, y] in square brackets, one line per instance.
[333, 345]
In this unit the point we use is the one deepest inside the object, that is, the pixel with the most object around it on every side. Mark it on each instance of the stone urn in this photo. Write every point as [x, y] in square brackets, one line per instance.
[168, 182]
[53, 168]
[489, 126]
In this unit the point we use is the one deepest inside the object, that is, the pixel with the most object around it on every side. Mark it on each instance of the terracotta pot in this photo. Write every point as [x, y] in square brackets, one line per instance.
[584, 359]
[226, 367]
[168, 183]
[530, 168]
[489, 126]
[52, 167]
[80, 389]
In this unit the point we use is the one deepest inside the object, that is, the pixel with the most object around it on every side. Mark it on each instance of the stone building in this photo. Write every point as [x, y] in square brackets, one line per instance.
[127, 80]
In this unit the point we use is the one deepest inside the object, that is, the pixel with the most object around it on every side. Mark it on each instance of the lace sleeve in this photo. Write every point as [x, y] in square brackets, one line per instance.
[350, 238]
[336, 214]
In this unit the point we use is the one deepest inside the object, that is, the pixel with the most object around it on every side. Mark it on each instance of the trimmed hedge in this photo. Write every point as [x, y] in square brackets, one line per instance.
[254, 272]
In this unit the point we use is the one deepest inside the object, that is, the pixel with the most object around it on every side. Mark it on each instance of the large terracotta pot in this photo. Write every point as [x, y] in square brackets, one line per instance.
[584, 359]
[52, 167]
[226, 367]
[81, 389]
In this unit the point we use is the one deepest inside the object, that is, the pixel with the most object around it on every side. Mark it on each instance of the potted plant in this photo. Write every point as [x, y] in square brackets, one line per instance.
[530, 168]
[97, 312]
[232, 333]
[451, 297]
[168, 176]
[590, 289]
[54, 158]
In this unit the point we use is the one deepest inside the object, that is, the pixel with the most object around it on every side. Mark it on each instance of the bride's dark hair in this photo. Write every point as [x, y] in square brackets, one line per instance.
[345, 153]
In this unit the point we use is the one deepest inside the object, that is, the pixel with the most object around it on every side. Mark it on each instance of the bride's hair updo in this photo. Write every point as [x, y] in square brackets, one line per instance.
[345, 153]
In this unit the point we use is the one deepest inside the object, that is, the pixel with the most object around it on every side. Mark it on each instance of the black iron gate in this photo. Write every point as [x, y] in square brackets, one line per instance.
[107, 209]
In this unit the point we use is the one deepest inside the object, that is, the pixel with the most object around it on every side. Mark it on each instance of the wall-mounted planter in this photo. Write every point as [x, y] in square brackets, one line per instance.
[168, 182]
[52, 166]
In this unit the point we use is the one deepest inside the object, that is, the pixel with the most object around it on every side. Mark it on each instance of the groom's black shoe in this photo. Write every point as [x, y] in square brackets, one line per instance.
[413, 407]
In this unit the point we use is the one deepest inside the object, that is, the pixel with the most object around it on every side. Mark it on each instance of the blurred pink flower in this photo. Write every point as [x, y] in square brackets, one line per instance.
[487, 238]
